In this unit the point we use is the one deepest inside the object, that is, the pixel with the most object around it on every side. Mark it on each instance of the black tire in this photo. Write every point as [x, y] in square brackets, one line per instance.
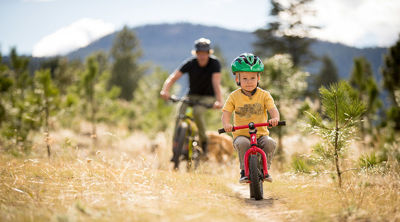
[251, 191]
[180, 139]
[255, 179]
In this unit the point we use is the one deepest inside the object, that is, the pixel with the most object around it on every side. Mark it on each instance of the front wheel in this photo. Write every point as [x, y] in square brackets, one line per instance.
[179, 143]
[256, 186]
[251, 191]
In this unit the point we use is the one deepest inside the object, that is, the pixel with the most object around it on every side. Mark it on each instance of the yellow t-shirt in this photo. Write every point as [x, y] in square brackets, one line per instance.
[249, 109]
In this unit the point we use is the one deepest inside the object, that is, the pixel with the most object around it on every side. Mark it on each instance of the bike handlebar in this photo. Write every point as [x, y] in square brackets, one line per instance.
[234, 128]
[189, 102]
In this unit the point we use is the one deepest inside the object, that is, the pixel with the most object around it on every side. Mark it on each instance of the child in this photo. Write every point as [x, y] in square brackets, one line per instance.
[250, 104]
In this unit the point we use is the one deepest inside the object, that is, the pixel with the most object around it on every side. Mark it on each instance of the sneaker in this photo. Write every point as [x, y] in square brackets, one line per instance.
[243, 178]
[268, 178]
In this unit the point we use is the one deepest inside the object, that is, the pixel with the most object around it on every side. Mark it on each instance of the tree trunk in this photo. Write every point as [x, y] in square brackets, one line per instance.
[46, 122]
[362, 130]
[93, 120]
[279, 154]
[339, 173]
[279, 151]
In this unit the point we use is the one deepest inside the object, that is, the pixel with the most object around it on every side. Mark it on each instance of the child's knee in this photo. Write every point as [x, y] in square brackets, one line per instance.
[269, 145]
[241, 143]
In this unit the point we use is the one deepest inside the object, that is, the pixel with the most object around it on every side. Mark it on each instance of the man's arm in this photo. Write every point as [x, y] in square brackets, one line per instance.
[216, 82]
[275, 116]
[169, 82]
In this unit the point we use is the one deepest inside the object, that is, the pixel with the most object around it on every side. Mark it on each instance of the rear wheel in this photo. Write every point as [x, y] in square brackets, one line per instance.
[179, 144]
[255, 178]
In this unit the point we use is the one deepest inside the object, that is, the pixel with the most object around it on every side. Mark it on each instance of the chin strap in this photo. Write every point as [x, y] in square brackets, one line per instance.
[252, 92]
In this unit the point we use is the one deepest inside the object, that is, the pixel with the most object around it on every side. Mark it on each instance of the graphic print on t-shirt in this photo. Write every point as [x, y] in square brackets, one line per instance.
[249, 109]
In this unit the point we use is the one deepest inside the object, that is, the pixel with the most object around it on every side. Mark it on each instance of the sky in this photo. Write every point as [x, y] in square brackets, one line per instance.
[51, 27]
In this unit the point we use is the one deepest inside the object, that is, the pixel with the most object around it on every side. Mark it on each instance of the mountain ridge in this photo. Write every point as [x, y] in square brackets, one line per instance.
[169, 44]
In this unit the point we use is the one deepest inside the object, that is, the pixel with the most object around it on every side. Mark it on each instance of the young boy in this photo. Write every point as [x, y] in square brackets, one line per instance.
[250, 104]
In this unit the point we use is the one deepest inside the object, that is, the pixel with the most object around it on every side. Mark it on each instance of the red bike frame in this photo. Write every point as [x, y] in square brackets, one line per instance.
[253, 139]
[253, 149]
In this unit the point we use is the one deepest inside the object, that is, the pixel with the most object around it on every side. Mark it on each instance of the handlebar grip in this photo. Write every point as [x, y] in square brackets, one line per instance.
[282, 123]
[222, 130]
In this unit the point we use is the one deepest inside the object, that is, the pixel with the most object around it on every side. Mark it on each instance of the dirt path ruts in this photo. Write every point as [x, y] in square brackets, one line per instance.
[268, 209]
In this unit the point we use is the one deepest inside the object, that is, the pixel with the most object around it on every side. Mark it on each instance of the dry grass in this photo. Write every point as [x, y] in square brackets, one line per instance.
[123, 181]
[363, 197]
[101, 189]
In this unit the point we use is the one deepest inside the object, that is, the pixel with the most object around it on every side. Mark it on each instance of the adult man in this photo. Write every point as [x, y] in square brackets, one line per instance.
[204, 83]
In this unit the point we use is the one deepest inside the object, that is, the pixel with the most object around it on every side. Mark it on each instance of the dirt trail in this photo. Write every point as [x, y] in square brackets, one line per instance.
[268, 209]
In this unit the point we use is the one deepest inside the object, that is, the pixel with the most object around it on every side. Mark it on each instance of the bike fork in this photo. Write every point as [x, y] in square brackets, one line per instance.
[253, 151]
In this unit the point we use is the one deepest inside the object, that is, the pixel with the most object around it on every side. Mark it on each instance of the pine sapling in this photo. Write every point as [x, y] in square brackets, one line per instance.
[341, 110]
[48, 100]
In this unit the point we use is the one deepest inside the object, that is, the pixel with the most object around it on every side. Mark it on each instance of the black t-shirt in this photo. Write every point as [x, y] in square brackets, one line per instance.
[200, 78]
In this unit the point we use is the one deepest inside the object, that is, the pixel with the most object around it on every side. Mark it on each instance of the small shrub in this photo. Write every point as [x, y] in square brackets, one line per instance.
[368, 161]
[301, 164]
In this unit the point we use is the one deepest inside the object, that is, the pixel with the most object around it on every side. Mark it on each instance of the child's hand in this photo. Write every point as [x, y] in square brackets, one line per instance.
[228, 127]
[273, 122]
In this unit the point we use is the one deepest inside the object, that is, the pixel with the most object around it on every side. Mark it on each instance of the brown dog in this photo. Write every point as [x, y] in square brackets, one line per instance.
[220, 146]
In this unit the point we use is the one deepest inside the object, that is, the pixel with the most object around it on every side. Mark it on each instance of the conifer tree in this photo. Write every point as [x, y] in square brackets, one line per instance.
[342, 109]
[328, 73]
[5, 84]
[126, 72]
[97, 99]
[48, 100]
[22, 116]
[391, 82]
[363, 81]
[63, 72]
[287, 32]
[88, 82]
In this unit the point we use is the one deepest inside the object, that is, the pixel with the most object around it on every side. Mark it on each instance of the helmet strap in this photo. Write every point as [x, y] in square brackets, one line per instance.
[238, 77]
[252, 92]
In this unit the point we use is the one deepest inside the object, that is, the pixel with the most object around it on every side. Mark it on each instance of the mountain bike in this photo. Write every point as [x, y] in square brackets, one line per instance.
[186, 138]
[255, 160]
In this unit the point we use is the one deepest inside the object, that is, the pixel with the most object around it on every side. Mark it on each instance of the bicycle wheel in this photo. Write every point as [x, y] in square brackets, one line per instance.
[255, 179]
[196, 154]
[179, 143]
[251, 191]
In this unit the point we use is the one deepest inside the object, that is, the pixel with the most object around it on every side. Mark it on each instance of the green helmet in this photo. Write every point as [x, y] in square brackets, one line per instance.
[247, 62]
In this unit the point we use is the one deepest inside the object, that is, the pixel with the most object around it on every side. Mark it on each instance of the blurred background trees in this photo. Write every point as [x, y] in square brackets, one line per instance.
[47, 101]
[117, 89]
[287, 31]
[286, 83]
[391, 83]
[126, 72]
[367, 91]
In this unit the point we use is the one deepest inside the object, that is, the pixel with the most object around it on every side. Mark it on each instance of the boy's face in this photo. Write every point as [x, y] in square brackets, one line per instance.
[248, 80]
